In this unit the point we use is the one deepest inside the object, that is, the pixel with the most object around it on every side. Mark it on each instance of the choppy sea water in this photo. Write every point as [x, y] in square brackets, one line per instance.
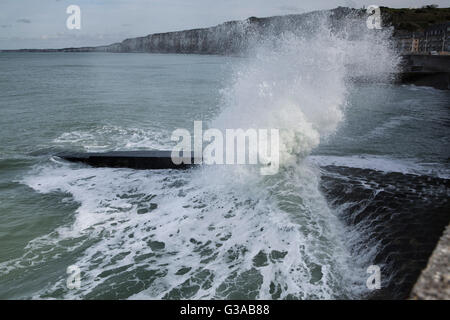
[375, 157]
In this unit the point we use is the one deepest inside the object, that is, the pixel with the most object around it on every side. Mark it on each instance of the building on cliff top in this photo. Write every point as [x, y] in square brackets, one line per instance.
[435, 39]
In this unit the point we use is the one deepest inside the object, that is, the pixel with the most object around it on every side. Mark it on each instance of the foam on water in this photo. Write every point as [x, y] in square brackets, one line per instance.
[224, 232]
[194, 238]
[385, 164]
[112, 137]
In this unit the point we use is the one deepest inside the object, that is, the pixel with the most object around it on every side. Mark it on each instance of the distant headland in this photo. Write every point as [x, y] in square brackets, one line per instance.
[232, 36]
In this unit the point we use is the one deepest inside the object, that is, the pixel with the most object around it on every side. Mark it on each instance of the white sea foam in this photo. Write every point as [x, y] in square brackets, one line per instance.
[114, 137]
[383, 163]
[205, 225]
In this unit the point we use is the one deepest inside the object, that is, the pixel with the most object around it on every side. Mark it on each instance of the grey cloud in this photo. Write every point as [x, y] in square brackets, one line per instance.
[350, 4]
[24, 20]
[290, 8]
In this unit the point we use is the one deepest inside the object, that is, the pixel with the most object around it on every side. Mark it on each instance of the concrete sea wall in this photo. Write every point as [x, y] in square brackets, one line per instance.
[434, 282]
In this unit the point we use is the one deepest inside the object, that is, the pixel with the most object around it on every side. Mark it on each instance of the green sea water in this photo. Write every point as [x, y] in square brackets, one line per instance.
[167, 234]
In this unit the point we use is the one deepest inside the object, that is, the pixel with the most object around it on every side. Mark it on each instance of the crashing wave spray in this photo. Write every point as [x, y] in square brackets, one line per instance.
[298, 82]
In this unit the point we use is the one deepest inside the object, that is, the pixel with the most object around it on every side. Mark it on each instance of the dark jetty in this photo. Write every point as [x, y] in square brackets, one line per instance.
[127, 159]
[426, 70]
[403, 215]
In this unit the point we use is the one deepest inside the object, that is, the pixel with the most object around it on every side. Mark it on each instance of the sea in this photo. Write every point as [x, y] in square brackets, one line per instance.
[363, 178]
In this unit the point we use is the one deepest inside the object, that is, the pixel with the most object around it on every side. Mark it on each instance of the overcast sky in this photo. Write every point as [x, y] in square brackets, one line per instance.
[42, 23]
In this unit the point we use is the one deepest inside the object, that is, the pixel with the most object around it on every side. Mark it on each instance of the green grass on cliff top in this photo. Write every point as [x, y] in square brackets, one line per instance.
[414, 19]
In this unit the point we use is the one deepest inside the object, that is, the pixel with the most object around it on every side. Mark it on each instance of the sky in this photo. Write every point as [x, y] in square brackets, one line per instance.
[42, 23]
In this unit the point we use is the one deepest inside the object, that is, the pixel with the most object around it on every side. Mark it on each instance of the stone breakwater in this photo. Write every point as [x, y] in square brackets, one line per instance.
[402, 215]
[434, 282]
